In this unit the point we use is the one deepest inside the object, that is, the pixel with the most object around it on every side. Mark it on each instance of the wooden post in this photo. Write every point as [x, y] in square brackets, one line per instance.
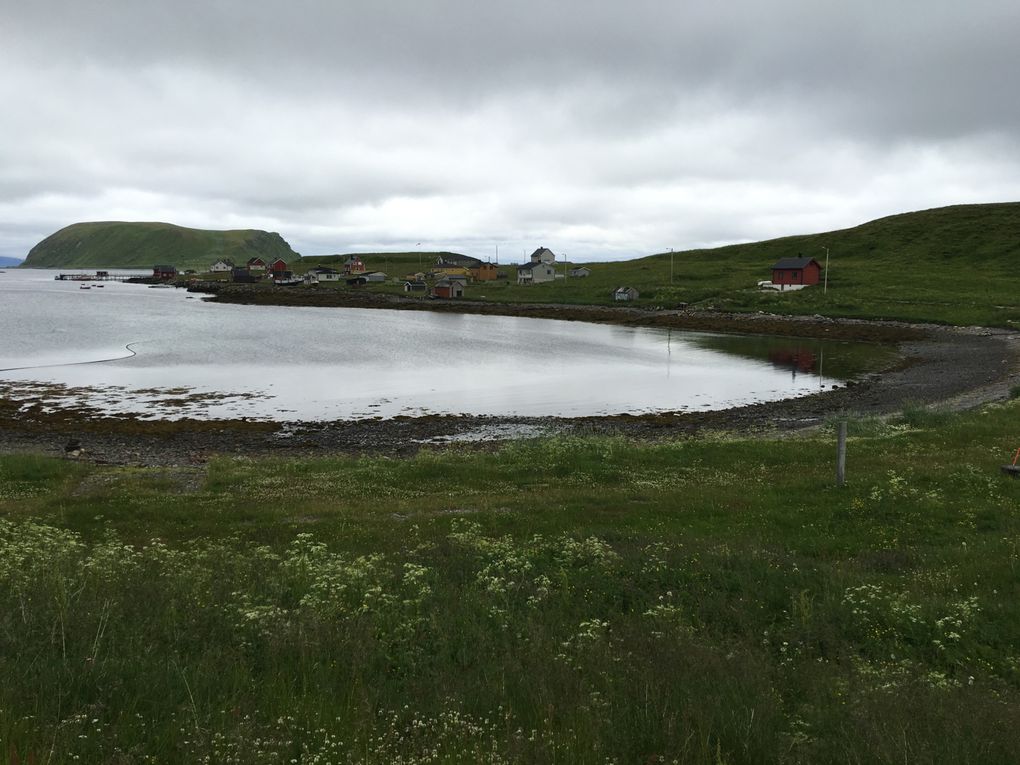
[841, 455]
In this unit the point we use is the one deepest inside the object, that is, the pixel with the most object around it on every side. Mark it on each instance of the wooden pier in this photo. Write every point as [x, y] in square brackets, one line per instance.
[98, 276]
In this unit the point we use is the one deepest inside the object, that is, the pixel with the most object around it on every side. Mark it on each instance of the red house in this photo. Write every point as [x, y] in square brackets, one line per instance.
[796, 271]
[256, 264]
[277, 267]
[164, 272]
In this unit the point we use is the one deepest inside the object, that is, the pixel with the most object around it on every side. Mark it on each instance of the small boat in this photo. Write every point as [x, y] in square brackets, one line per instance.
[100, 286]
[85, 287]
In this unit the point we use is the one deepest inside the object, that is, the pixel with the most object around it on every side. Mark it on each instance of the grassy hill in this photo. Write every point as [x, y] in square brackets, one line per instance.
[392, 263]
[956, 265]
[142, 245]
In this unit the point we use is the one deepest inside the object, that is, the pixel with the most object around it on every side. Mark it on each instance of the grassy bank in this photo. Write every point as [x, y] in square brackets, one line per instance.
[952, 265]
[566, 600]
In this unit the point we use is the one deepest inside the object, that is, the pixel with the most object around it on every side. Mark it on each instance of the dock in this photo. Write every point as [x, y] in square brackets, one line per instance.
[98, 276]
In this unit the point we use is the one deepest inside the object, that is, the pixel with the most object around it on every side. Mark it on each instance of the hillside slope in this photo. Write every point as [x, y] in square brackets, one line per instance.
[956, 265]
[141, 245]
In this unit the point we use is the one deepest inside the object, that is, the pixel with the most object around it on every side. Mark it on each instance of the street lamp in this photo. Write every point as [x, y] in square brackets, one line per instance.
[825, 287]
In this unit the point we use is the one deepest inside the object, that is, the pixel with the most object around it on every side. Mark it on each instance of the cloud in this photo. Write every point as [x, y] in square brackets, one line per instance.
[605, 130]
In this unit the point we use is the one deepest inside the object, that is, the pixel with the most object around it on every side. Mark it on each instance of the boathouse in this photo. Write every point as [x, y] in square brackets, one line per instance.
[796, 272]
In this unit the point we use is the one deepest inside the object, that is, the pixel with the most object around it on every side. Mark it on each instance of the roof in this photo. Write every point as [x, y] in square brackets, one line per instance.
[542, 250]
[457, 260]
[324, 270]
[625, 289]
[164, 268]
[225, 260]
[784, 263]
[529, 266]
[256, 260]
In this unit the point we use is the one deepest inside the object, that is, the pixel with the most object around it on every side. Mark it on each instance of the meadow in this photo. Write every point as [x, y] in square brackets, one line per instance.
[952, 265]
[563, 600]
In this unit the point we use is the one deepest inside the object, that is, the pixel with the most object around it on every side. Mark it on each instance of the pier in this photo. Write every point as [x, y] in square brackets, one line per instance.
[98, 276]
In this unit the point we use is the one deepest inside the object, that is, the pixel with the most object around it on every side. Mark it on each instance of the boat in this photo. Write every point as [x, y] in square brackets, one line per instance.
[85, 286]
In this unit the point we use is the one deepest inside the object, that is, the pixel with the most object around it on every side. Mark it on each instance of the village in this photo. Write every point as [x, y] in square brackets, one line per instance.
[452, 274]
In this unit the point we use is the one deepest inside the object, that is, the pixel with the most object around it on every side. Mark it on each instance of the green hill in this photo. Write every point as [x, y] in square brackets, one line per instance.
[142, 245]
[957, 265]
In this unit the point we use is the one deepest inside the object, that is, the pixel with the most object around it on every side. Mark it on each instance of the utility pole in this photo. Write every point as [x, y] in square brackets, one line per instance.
[825, 288]
[670, 265]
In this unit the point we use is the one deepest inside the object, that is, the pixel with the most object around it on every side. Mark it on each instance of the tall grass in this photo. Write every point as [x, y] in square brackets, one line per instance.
[563, 600]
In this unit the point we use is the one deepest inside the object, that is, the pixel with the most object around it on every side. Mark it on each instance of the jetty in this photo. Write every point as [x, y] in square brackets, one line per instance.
[98, 276]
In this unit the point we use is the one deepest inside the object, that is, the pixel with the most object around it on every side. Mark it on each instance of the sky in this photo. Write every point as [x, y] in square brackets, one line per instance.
[603, 130]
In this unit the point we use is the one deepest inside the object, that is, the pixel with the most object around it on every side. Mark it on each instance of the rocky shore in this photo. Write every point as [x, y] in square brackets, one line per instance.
[952, 367]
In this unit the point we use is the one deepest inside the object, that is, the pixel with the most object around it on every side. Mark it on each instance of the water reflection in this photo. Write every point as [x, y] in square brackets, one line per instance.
[199, 359]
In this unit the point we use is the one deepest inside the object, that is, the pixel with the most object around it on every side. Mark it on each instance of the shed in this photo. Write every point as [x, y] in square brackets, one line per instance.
[579, 273]
[796, 271]
[256, 264]
[415, 286]
[278, 266]
[164, 272]
[448, 288]
[625, 293]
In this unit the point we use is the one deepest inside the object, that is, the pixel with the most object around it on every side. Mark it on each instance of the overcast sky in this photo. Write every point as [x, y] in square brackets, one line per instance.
[603, 130]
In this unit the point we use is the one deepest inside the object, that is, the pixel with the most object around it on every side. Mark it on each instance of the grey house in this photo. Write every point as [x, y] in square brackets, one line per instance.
[543, 255]
[625, 293]
[535, 273]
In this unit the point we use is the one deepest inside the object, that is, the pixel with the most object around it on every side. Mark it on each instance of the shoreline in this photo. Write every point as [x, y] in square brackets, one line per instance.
[948, 366]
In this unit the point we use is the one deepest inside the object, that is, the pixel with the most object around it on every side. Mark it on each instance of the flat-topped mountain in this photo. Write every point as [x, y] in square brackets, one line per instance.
[115, 244]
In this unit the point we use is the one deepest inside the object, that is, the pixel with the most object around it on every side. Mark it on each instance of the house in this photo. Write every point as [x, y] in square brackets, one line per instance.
[543, 255]
[322, 274]
[483, 272]
[579, 273]
[415, 286]
[448, 288]
[221, 266]
[535, 273]
[453, 259]
[795, 273]
[374, 276]
[277, 267]
[256, 265]
[243, 275]
[449, 269]
[626, 293]
[164, 272]
[353, 266]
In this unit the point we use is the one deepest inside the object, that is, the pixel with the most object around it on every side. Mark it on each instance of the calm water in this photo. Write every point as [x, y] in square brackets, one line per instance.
[162, 353]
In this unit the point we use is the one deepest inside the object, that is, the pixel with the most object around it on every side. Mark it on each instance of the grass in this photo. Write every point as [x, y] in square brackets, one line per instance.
[952, 265]
[561, 600]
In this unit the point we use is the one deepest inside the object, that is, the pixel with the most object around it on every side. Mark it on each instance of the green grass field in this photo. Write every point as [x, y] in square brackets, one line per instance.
[568, 600]
[954, 265]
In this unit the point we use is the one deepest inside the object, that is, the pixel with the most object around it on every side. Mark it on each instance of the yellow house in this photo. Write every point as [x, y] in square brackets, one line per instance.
[447, 269]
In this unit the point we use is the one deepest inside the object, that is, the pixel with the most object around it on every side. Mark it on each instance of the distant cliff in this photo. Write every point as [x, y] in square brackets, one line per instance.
[115, 244]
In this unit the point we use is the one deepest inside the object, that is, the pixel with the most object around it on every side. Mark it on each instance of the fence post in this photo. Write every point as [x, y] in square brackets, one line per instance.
[841, 455]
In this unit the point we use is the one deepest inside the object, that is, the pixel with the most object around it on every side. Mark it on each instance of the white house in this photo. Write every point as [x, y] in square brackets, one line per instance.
[535, 273]
[322, 274]
[625, 293]
[222, 267]
[543, 255]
